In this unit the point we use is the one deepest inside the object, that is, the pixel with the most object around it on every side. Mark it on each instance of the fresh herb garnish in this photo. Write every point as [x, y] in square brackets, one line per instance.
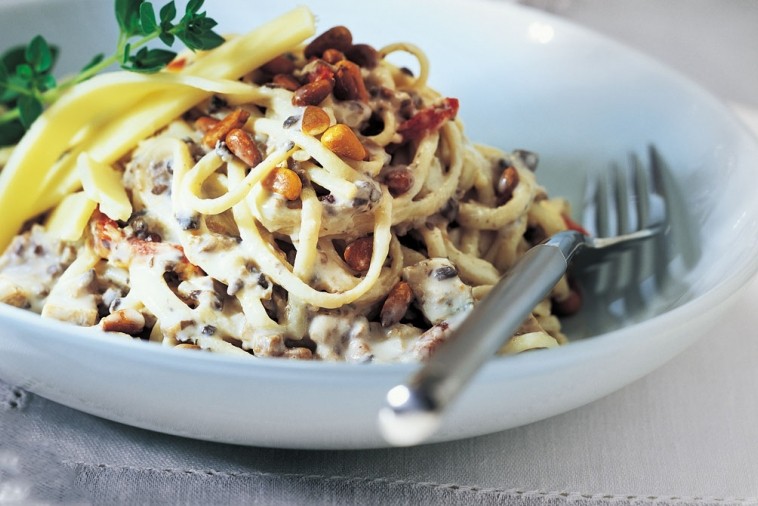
[22, 90]
[27, 84]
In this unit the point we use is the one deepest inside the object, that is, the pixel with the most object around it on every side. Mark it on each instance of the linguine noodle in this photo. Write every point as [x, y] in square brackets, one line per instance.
[313, 201]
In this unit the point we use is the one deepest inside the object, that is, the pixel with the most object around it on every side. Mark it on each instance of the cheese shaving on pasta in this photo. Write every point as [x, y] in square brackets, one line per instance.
[273, 198]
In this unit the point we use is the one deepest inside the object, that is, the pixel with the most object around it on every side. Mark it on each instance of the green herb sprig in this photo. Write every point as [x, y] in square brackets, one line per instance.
[27, 84]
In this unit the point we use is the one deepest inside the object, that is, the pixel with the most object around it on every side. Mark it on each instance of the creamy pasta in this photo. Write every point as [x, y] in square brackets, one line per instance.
[286, 198]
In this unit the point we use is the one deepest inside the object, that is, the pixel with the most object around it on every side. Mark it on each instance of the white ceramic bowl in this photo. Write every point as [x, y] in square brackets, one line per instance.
[525, 80]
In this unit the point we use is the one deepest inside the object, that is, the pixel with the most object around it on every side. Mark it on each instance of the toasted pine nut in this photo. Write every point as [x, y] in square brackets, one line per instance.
[286, 81]
[338, 37]
[205, 123]
[284, 182]
[281, 64]
[363, 55]
[312, 93]
[315, 120]
[396, 304]
[507, 183]
[358, 253]
[342, 141]
[332, 56]
[128, 321]
[348, 82]
[398, 181]
[243, 146]
[298, 353]
[235, 119]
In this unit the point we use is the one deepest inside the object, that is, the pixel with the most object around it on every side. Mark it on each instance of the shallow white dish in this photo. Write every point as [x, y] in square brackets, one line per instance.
[525, 80]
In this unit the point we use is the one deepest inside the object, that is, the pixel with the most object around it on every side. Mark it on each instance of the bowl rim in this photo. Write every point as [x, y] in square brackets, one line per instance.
[720, 294]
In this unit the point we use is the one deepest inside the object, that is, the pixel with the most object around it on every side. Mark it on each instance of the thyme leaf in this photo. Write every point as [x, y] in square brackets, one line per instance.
[27, 83]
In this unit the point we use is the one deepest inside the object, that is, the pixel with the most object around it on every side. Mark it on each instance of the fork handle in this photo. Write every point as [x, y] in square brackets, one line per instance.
[413, 410]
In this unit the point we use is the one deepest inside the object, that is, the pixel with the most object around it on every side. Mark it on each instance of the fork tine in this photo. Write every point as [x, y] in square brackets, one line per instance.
[656, 170]
[602, 209]
[658, 184]
[589, 204]
[621, 195]
[622, 201]
[641, 191]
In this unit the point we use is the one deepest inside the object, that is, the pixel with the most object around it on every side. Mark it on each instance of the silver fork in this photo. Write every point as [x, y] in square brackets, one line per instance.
[627, 206]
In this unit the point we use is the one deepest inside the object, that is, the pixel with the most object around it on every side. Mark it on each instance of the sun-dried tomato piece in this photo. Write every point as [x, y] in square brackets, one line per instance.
[107, 235]
[320, 71]
[429, 120]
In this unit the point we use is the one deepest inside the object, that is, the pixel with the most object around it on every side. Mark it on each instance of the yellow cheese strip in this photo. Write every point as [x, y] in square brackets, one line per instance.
[22, 179]
[67, 221]
[120, 111]
[102, 183]
[231, 60]
[82, 111]
[61, 179]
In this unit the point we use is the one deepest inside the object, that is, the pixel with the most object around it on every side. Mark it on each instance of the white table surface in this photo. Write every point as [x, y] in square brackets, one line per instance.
[685, 434]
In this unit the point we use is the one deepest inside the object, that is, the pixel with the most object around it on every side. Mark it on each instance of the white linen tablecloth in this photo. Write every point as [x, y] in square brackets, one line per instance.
[685, 434]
